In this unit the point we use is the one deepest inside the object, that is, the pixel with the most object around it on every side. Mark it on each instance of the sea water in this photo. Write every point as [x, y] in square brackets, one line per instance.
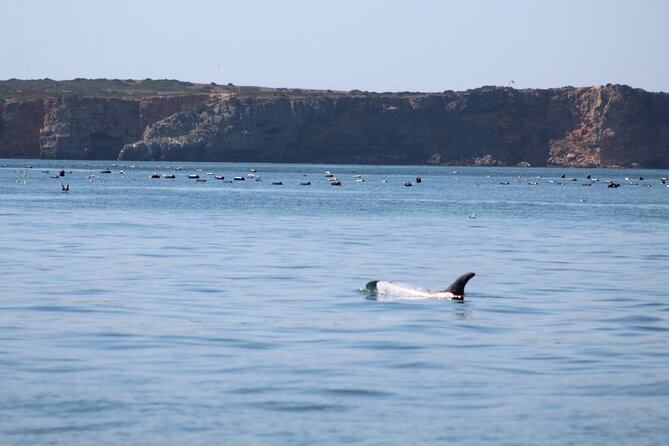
[171, 311]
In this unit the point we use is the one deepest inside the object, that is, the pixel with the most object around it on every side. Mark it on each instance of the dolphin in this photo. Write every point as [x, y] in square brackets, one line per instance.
[394, 290]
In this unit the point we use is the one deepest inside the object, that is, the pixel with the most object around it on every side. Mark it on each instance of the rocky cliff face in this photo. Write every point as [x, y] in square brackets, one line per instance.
[97, 128]
[599, 126]
[616, 126]
[20, 124]
[506, 126]
[88, 128]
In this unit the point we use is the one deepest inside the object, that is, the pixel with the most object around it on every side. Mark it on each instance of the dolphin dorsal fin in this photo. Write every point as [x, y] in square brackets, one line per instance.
[371, 286]
[458, 287]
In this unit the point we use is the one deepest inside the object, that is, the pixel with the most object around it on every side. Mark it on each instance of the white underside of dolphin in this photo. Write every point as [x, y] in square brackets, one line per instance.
[382, 289]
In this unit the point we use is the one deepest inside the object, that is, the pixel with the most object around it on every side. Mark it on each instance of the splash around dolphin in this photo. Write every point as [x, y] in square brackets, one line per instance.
[381, 289]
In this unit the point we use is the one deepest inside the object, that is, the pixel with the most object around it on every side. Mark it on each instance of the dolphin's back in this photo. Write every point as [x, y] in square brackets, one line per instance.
[396, 290]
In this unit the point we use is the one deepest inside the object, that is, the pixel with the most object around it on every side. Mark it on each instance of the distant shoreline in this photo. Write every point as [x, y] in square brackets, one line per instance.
[169, 120]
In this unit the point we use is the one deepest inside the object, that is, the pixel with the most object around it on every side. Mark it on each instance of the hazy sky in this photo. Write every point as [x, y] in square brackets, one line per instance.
[415, 45]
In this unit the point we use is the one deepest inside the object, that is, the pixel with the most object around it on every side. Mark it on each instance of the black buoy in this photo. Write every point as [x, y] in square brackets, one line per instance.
[418, 180]
[61, 173]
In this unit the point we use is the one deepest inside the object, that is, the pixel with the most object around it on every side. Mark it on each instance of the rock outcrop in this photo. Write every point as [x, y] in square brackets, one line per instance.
[97, 128]
[20, 124]
[597, 126]
[617, 126]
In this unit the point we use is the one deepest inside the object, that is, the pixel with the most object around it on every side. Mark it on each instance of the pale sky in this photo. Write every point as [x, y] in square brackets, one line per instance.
[412, 45]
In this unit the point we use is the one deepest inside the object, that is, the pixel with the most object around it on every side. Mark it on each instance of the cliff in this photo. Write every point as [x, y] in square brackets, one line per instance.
[20, 124]
[97, 128]
[597, 126]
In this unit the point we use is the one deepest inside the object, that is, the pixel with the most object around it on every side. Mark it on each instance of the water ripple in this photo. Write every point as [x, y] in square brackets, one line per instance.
[166, 313]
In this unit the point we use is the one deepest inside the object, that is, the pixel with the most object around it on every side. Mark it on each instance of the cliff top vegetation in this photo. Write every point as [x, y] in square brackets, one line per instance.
[17, 89]
[22, 90]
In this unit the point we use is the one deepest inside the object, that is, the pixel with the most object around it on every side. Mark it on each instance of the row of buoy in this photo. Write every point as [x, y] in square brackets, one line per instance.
[165, 175]
[334, 181]
[591, 181]
[193, 176]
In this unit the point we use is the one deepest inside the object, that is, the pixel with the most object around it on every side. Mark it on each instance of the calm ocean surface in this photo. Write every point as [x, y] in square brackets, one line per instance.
[169, 311]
